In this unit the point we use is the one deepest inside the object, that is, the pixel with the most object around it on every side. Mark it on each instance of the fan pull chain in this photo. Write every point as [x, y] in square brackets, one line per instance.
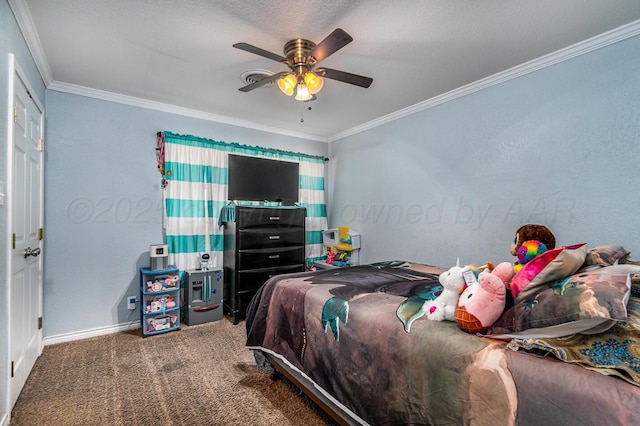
[302, 113]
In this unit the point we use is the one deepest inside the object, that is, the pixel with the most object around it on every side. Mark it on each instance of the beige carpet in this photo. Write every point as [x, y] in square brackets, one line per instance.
[200, 375]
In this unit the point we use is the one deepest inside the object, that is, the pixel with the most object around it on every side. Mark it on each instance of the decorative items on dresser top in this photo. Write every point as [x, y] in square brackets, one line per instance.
[160, 300]
[262, 242]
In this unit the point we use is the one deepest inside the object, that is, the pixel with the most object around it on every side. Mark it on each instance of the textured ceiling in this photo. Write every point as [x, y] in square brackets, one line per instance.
[180, 52]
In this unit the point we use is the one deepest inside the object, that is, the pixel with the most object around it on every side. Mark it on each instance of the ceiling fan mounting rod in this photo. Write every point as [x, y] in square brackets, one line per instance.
[300, 70]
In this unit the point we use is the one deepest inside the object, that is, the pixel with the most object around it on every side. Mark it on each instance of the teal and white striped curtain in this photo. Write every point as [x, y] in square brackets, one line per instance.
[196, 170]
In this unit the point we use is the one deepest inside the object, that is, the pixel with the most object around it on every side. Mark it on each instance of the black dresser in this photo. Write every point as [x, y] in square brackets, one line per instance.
[261, 243]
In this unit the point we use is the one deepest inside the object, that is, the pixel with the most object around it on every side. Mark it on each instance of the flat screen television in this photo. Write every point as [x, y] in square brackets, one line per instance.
[261, 179]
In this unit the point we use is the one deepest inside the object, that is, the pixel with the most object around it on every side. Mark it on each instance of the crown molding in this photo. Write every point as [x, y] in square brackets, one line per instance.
[75, 89]
[27, 27]
[605, 39]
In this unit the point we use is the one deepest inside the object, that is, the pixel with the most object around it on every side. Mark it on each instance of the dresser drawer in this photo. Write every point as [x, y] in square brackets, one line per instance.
[249, 217]
[252, 279]
[256, 238]
[269, 258]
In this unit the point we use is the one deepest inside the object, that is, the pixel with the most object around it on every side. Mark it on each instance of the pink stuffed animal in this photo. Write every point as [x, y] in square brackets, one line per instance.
[482, 303]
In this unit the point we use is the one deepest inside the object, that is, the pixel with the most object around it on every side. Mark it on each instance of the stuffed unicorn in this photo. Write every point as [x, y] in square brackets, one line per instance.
[443, 307]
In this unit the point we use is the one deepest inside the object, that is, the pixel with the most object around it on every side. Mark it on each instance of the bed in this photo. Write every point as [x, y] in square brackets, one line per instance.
[353, 339]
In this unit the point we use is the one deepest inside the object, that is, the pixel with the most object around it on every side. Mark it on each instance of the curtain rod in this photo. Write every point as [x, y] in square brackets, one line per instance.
[238, 145]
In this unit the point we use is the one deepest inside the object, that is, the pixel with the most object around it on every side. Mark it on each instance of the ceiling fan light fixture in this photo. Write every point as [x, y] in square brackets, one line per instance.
[302, 56]
[287, 84]
[302, 93]
[314, 82]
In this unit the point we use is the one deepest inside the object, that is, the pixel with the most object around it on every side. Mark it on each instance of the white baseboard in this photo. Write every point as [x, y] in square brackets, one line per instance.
[78, 335]
[93, 332]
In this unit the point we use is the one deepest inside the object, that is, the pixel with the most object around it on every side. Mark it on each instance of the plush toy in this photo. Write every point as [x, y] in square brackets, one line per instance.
[443, 307]
[503, 271]
[530, 232]
[482, 303]
[527, 251]
[527, 233]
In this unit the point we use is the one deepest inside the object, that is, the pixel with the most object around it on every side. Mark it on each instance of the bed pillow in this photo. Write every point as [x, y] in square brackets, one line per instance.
[614, 353]
[549, 266]
[589, 303]
[606, 255]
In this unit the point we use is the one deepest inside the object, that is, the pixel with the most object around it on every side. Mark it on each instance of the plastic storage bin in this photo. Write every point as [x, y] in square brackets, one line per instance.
[159, 300]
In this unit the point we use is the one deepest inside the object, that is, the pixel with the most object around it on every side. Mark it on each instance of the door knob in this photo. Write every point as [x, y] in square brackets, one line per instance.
[31, 252]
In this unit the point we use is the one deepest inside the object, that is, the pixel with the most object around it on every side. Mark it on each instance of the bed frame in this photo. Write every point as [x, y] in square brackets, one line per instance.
[342, 415]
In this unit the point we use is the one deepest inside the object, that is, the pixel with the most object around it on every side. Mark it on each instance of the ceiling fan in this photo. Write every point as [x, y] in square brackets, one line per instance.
[301, 56]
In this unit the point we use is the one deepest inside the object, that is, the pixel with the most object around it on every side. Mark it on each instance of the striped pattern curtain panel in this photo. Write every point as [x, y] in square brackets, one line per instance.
[196, 172]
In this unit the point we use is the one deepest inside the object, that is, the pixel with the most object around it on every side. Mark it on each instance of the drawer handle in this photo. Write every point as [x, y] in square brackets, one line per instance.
[274, 217]
[274, 237]
[274, 256]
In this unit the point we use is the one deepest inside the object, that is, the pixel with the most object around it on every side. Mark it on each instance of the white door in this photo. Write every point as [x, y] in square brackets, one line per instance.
[25, 289]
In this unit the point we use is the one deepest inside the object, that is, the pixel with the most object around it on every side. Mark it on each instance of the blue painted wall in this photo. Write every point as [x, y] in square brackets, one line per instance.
[11, 42]
[559, 146]
[104, 202]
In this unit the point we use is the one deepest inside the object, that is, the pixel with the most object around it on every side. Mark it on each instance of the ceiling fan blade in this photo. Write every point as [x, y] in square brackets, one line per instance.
[332, 43]
[262, 82]
[253, 49]
[345, 77]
